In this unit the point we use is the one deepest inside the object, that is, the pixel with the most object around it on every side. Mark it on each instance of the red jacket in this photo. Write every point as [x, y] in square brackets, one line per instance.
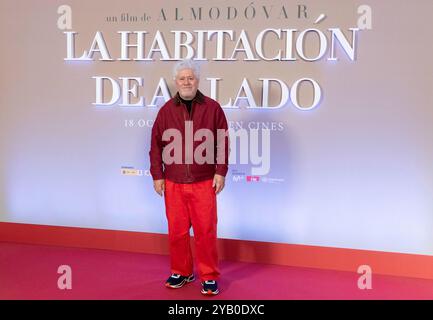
[205, 114]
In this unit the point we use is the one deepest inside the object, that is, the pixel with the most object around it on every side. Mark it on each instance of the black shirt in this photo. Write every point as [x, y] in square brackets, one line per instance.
[188, 104]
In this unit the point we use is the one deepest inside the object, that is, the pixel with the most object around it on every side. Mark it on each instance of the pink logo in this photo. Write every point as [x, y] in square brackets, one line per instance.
[253, 178]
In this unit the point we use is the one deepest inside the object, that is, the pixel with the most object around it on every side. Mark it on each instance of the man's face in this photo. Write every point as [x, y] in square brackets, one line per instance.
[186, 84]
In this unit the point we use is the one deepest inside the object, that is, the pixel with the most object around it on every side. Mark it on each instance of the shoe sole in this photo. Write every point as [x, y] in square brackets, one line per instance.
[210, 292]
[180, 285]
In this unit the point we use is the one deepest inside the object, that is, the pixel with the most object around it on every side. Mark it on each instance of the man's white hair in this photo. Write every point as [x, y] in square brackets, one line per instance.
[187, 64]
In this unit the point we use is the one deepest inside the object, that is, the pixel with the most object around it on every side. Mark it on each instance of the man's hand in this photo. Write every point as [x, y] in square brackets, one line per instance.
[159, 186]
[218, 183]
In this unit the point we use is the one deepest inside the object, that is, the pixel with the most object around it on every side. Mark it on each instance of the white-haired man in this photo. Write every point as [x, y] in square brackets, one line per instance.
[188, 183]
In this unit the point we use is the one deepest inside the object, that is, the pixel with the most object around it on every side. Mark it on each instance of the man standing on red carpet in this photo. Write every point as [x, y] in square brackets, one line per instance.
[188, 164]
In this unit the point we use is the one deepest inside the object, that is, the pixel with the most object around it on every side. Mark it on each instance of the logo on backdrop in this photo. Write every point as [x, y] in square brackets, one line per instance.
[131, 171]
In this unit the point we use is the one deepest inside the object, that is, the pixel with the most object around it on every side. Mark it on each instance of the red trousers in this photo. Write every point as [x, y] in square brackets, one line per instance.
[192, 204]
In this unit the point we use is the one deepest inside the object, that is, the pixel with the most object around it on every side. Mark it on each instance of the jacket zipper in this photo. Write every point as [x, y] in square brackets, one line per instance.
[188, 170]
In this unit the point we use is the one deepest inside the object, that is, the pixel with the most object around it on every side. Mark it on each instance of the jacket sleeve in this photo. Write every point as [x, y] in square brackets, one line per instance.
[156, 147]
[223, 143]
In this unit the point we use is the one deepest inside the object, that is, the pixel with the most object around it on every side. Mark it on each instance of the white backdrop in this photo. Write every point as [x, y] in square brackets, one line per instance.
[356, 171]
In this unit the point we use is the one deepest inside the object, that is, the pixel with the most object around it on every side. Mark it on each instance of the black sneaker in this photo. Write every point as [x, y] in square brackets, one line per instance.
[209, 287]
[177, 281]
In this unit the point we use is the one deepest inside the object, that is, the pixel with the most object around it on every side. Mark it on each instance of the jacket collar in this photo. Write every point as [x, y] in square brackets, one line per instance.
[199, 98]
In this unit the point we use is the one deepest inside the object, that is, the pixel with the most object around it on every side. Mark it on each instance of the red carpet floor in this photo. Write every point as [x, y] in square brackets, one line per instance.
[30, 272]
